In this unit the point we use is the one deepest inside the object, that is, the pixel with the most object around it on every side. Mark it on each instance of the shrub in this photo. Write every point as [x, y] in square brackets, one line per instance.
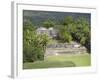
[34, 45]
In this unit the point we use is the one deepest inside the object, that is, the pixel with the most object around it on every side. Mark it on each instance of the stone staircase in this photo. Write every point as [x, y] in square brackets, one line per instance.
[56, 49]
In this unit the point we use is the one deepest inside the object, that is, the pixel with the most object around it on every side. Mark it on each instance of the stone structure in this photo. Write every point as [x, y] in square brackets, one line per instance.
[60, 48]
[51, 32]
[65, 48]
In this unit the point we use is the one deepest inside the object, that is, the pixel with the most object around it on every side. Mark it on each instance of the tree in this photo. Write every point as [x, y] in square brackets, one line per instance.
[78, 30]
[28, 37]
[64, 35]
[34, 45]
[48, 23]
[82, 32]
[68, 20]
[66, 29]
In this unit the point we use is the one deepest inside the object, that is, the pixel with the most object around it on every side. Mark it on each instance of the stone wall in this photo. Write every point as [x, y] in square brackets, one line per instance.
[64, 48]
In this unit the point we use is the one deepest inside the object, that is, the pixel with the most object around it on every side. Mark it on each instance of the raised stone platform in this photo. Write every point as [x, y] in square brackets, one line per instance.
[61, 48]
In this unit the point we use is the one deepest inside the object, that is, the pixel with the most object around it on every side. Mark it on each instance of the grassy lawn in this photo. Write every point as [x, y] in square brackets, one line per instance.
[60, 61]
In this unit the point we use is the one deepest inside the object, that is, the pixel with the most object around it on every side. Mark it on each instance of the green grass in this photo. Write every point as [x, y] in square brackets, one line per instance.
[60, 61]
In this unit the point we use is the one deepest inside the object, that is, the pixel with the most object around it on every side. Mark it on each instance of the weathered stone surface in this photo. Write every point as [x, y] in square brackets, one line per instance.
[64, 48]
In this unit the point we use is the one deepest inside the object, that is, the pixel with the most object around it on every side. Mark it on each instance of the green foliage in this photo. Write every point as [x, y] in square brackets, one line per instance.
[68, 37]
[77, 30]
[66, 29]
[44, 39]
[82, 32]
[48, 23]
[28, 26]
[33, 45]
[64, 35]
[68, 20]
[82, 41]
